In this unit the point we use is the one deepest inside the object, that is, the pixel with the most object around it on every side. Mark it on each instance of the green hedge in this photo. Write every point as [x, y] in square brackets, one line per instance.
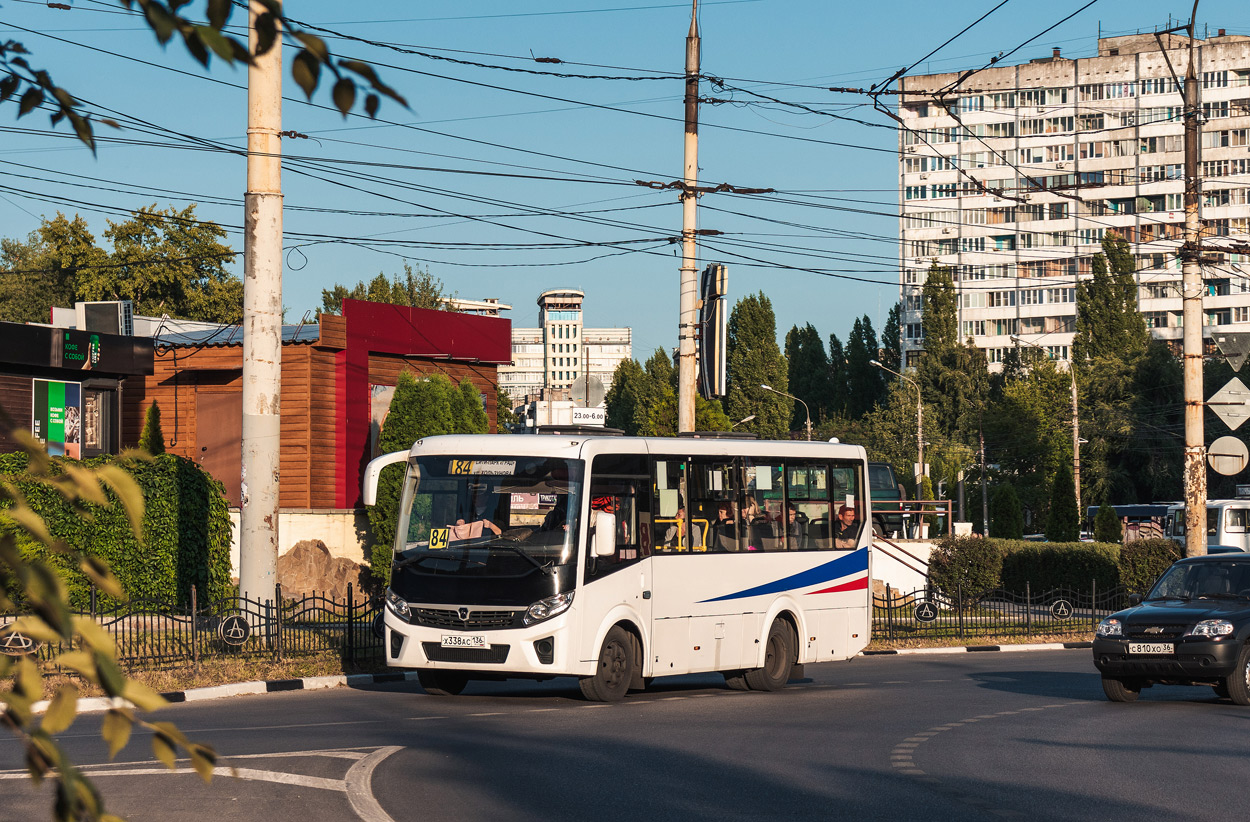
[1048, 565]
[186, 531]
[965, 566]
[1143, 560]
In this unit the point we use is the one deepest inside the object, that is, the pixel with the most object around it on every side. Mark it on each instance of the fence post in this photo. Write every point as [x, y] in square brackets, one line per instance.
[959, 606]
[195, 638]
[1093, 604]
[93, 602]
[277, 619]
[1028, 608]
[351, 624]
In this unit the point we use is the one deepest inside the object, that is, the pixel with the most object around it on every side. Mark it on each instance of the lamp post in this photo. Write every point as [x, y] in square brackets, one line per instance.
[919, 424]
[791, 396]
[1076, 426]
[739, 422]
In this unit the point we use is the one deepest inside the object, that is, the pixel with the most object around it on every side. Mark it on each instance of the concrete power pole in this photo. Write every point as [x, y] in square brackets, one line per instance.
[262, 322]
[1192, 289]
[687, 372]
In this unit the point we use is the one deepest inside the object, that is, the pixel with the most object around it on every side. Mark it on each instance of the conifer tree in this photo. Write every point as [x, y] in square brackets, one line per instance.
[1063, 522]
[755, 359]
[1107, 525]
[1006, 514]
[808, 374]
[152, 439]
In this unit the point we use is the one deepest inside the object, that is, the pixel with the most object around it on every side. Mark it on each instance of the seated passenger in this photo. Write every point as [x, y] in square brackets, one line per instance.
[471, 530]
[725, 527]
[675, 534]
[846, 529]
[796, 528]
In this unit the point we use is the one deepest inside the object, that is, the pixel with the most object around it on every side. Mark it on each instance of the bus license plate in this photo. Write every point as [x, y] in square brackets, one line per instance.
[1150, 647]
[465, 641]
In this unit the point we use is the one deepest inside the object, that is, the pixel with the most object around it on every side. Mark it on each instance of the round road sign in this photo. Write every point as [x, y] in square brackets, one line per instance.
[1228, 456]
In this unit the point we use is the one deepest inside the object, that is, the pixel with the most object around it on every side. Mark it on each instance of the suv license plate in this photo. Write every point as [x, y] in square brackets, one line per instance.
[465, 641]
[1150, 647]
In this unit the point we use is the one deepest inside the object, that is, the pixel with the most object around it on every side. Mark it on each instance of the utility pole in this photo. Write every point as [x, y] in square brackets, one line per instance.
[1195, 471]
[262, 321]
[687, 322]
[985, 494]
[1076, 441]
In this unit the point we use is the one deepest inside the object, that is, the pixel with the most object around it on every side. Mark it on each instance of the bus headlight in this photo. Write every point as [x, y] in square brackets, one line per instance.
[547, 608]
[398, 604]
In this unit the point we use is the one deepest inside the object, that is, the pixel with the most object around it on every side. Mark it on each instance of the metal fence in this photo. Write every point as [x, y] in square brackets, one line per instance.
[151, 632]
[1001, 614]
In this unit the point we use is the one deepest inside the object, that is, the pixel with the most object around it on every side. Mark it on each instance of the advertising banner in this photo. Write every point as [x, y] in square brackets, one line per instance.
[56, 417]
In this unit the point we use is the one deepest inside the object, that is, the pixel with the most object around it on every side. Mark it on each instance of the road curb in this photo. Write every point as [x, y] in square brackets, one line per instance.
[973, 649]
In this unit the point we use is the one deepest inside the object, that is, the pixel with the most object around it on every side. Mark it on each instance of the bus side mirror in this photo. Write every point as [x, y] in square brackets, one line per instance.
[605, 534]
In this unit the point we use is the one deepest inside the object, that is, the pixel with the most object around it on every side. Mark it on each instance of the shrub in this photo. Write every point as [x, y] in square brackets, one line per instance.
[1063, 524]
[1046, 566]
[1107, 525]
[965, 565]
[1006, 514]
[185, 538]
[152, 439]
[1143, 560]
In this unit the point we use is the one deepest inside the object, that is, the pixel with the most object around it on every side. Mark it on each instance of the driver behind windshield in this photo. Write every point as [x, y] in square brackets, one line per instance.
[474, 522]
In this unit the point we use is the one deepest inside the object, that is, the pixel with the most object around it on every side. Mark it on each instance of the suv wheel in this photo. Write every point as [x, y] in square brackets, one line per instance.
[1121, 690]
[1238, 682]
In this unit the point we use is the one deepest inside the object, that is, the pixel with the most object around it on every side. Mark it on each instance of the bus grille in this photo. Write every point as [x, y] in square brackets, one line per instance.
[450, 618]
[495, 654]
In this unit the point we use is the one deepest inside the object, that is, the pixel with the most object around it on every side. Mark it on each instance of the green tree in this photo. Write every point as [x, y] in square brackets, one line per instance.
[167, 262]
[1108, 323]
[204, 34]
[1063, 521]
[808, 374]
[504, 415]
[467, 411]
[954, 377]
[1107, 525]
[420, 408]
[1006, 515]
[44, 271]
[416, 289]
[629, 394]
[892, 339]
[754, 359]
[865, 383]
[837, 378]
[152, 438]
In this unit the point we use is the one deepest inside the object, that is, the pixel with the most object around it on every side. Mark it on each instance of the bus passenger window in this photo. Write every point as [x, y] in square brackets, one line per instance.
[807, 491]
[762, 491]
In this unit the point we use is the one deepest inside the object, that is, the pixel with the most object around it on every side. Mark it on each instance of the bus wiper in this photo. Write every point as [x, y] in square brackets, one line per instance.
[516, 549]
[404, 563]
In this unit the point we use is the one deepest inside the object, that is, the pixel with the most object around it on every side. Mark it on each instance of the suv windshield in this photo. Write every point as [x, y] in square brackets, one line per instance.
[489, 516]
[1204, 580]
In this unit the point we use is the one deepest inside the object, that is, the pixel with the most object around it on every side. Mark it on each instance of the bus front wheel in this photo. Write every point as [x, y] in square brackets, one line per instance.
[442, 683]
[615, 669]
[778, 660]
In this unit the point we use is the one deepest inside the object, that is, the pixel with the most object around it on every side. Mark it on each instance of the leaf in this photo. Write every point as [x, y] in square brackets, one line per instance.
[363, 69]
[118, 723]
[26, 679]
[101, 575]
[204, 760]
[30, 100]
[219, 43]
[266, 26]
[305, 70]
[170, 731]
[128, 494]
[36, 628]
[94, 635]
[314, 44]
[8, 86]
[142, 696]
[112, 680]
[219, 13]
[344, 95]
[160, 21]
[371, 106]
[86, 484]
[61, 710]
[163, 749]
[191, 39]
[81, 662]
[31, 522]
[82, 127]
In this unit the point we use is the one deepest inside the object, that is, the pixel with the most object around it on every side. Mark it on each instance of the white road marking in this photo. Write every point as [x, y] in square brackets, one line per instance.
[359, 784]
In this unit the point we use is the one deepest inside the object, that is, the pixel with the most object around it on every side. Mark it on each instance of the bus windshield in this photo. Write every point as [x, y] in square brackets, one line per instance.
[489, 516]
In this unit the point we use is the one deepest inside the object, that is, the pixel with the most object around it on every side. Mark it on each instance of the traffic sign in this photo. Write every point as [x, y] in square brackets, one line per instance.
[1235, 346]
[1231, 404]
[1228, 456]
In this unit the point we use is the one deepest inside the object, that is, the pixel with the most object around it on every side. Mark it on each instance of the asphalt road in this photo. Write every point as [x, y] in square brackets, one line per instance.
[949, 737]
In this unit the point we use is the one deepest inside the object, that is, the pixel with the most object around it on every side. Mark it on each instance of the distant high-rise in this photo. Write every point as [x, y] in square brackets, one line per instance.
[562, 349]
[1013, 178]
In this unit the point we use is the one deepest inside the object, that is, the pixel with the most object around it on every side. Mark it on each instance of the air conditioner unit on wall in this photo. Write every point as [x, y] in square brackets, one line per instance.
[110, 317]
[924, 176]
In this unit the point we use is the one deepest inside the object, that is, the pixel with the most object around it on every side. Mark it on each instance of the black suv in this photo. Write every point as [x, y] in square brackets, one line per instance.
[1191, 629]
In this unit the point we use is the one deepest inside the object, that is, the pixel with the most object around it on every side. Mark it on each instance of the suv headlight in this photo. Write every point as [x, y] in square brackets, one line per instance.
[398, 604]
[547, 608]
[1110, 627]
[1211, 627]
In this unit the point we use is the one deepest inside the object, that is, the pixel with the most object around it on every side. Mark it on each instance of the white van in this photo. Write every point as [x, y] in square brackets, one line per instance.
[1228, 523]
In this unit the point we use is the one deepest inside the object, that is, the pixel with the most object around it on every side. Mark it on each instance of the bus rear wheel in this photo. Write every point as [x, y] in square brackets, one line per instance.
[778, 660]
[614, 671]
[442, 683]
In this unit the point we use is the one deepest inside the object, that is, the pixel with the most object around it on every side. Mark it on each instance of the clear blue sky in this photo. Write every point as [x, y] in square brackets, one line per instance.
[364, 197]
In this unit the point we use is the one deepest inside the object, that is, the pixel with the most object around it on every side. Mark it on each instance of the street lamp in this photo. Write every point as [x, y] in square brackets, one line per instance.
[791, 396]
[919, 424]
[739, 422]
[1076, 424]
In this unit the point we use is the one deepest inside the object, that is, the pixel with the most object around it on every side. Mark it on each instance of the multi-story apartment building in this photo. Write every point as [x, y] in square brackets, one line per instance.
[552, 357]
[1012, 176]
